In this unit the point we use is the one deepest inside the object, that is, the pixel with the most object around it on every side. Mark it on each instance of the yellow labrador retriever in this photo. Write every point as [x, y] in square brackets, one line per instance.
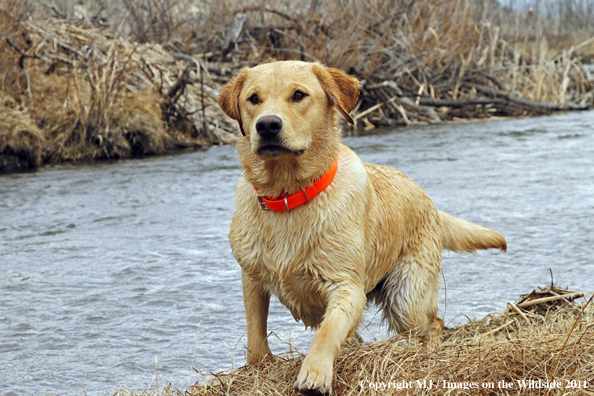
[322, 231]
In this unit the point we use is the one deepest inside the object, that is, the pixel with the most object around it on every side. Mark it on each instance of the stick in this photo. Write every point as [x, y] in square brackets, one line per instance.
[499, 328]
[520, 312]
[547, 299]
[426, 110]
[403, 113]
[369, 110]
[179, 85]
[204, 124]
[459, 103]
[375, 107]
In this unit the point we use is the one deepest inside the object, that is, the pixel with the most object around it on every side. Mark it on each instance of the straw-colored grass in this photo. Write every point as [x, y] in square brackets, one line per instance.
[86, 121]
[21, 141]
[550, 342]
[95, 95]
[477, 358]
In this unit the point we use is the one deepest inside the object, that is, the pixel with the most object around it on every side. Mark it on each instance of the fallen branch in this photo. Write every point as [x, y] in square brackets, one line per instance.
[548, 299]
[425, 110]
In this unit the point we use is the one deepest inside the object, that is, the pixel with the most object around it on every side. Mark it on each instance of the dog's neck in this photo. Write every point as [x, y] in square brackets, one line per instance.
[289, 174]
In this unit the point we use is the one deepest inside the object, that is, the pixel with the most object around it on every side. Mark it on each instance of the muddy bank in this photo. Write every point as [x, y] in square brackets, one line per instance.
[122, 81]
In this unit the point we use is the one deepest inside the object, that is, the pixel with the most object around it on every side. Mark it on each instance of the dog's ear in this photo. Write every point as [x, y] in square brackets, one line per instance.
[229, 98]
[341, 88]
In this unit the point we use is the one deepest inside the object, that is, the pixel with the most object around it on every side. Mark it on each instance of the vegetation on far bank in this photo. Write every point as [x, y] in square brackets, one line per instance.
[82, 81]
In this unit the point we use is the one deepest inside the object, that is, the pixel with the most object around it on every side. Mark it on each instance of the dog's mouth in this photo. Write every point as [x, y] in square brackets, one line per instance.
[277, 151]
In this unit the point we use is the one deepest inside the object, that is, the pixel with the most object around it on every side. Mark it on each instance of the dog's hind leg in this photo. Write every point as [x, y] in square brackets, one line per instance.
[409, 295]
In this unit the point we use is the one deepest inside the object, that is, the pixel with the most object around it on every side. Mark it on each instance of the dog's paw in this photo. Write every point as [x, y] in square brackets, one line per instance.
[315, 378]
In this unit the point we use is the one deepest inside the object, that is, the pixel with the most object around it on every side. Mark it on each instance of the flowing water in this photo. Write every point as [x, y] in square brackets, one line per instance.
[108, 270]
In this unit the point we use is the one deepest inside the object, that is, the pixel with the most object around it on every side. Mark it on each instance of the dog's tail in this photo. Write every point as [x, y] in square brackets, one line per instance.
[463, 236]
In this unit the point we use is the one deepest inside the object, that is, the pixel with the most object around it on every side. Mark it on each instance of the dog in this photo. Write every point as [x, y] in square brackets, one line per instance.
[322, 231]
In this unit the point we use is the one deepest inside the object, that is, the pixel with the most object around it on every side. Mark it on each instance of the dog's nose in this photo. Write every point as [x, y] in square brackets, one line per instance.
[269, 126]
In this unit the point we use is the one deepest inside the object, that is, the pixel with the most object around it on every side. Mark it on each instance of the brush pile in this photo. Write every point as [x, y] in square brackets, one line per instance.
[544, 299]
[423, 61]
[141, 77]
[550, 345]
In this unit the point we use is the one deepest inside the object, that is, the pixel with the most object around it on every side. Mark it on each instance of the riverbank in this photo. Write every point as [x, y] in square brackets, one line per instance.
[542, 344]
[81, 94]
[125, 80]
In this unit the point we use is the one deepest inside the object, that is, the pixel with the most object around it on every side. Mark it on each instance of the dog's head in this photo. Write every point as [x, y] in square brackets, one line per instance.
[283, 107]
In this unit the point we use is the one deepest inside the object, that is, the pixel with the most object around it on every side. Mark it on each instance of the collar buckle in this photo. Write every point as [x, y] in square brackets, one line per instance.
[262, 203]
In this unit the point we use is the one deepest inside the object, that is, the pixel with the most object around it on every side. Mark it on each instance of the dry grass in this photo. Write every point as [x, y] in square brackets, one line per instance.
[21, 141]
[94, 95]
[482, 353]
[84, 121]
[550, 341]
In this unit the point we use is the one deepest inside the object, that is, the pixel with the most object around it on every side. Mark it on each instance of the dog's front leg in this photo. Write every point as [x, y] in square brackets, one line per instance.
[343, 314]
[256, 301]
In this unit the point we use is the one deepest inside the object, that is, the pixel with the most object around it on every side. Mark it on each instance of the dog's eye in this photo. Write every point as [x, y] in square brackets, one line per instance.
[254, 99]
[298, 95]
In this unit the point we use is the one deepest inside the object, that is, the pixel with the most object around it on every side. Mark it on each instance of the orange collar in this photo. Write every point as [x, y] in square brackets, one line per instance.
[288, 202]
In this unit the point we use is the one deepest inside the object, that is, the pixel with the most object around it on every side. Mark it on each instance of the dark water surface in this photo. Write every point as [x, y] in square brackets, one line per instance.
[106, 267]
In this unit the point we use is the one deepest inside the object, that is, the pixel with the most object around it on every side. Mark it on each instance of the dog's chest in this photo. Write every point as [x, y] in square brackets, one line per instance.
[276, 247]
[280, 251]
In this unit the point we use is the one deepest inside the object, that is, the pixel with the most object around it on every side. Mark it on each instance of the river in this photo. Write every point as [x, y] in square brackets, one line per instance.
[109, 269]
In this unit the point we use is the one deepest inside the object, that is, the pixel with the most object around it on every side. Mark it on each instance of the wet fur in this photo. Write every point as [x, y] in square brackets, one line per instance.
[372, 236]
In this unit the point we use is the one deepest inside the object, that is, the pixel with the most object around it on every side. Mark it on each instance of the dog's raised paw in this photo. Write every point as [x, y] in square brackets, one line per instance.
[313, 382]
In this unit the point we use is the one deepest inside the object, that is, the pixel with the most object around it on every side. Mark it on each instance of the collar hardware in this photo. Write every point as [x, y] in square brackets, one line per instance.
[261, 202]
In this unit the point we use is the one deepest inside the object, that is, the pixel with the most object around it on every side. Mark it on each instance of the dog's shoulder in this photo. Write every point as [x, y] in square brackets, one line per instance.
[381, 172]
[351, 174]
[399, 197]
[385, 179]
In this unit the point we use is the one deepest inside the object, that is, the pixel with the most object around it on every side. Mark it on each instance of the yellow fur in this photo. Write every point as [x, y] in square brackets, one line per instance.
[372, 235]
